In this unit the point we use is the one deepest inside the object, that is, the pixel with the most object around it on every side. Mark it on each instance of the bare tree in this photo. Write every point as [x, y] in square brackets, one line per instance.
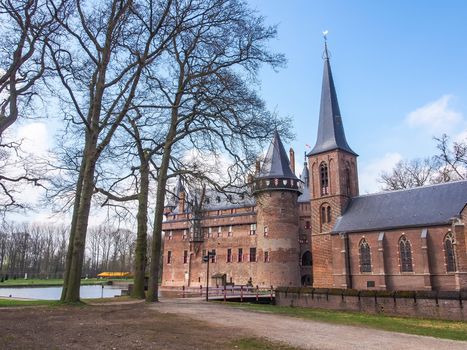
[408, 174]
[453, 158]
[27, 27]
[449, 164]
[207, 97]
[99, 63]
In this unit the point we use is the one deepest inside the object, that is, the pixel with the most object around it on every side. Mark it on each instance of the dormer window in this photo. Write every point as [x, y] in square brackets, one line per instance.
[324, 178]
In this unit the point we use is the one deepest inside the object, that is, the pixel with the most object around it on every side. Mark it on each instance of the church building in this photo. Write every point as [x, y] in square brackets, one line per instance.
[317, 230]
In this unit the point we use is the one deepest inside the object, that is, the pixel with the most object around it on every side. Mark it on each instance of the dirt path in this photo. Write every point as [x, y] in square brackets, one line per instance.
[301, 333]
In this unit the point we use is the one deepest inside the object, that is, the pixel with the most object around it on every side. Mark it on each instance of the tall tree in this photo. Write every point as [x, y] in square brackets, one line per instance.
[99, 63]
[206, 96]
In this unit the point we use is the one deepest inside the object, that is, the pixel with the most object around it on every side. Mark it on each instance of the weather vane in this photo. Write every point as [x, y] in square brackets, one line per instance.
[326, 54]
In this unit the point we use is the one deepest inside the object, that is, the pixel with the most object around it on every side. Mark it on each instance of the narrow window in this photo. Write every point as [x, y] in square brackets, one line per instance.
[170, 234]
[230, 231]
[169, 257]
[252, 229]
[203, 255]
[214, 256]
[266, 256]
[185, 256]
[184, 235]
[405, 255]
[266, 231]
[306, 258]
[219, 231]
[323, 214]
[365, 256]
[449, 253]
[328, 214]
[347, 179]
[229, 255]
[240, 255]
[252, 254]
[210, 232]
[307, 225]
[324, 178]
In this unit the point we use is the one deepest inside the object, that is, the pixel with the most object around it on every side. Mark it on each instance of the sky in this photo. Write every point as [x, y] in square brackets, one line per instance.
[399, 68]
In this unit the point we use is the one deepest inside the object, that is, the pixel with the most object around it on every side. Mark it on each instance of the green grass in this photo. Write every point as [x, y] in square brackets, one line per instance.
[10, 283]
[428, 327]
[258, 344]
[16, 303]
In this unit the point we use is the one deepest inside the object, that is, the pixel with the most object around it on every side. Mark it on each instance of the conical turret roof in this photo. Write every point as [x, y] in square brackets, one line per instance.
[276, 163]
[330, 128]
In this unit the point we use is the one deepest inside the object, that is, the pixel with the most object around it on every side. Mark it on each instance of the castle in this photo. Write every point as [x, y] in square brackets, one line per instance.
[317, 230]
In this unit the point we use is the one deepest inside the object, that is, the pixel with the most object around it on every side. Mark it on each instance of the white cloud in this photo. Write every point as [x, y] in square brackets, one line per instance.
[436, 117]
[369, 173]
[35, 138]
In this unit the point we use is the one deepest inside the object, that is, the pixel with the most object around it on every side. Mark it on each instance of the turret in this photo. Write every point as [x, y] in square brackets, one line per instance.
[276, 189]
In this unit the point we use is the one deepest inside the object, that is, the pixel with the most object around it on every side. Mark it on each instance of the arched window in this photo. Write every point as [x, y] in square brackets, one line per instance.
[347, 179]
[405, 252]
[328, 209]
[324, 178]
[323, 214]
[365, 256]
[449, 252]
[306, 258]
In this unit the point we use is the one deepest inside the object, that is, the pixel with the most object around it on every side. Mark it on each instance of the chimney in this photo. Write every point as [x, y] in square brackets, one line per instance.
[258, 167]
[292, 159]
[181, 202]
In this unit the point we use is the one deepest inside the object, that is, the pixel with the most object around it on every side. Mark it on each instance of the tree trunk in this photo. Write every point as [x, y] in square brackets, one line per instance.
[82, 218]
[69, 254]
[141, 240]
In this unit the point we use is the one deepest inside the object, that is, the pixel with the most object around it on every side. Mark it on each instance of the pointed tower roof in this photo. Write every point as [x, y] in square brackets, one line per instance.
[276, 163]
[305, 177]
[330, 128]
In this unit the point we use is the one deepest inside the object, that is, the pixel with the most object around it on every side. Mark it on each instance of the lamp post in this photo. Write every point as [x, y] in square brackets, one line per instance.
[206, 259]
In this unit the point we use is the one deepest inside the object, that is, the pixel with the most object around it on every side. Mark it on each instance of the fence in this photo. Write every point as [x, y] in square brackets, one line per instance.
[426, 304]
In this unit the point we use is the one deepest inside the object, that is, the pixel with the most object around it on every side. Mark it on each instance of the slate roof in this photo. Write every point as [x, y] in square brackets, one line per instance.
[276, 163]
[331, 134]
[421, 206]
[305, 177]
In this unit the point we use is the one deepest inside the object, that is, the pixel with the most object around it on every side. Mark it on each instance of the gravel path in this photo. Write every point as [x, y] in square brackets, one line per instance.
[301, 333]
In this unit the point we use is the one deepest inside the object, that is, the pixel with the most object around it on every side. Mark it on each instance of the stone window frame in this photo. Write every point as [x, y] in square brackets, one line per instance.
[169, 257]
[267, 256]
[324, 178]
[228, 258]
[405, 255]
[450, 260]
[219, 231]
[303, 256]
[213, 257]
[252, 257]
[252, 229]
[230, 231]
[266, 230]
[240, 255]
[364, 253]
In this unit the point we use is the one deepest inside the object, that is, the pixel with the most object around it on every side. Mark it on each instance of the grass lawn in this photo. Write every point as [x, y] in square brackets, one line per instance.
[50, 282]
[428, 327]
[15, 303]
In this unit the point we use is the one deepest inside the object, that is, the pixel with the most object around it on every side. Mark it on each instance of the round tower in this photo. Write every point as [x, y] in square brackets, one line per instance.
[276, 189]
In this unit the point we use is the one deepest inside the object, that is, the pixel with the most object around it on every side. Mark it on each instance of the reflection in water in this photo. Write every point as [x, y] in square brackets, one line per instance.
[53, 293]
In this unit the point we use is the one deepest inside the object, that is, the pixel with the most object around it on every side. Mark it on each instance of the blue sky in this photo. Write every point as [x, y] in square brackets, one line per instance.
[399, 69]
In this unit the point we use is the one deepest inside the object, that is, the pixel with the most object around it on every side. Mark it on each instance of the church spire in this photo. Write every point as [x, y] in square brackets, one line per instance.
[330, 128]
